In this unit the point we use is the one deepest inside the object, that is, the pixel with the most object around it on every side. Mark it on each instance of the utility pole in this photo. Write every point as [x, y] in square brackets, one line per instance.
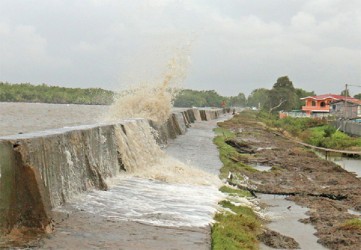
[346, 93]
[345, 106]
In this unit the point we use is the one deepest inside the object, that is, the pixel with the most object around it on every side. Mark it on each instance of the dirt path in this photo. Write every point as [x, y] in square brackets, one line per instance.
[324, 187]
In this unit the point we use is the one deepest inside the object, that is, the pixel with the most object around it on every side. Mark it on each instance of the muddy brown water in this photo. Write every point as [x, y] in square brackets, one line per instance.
[18, 118]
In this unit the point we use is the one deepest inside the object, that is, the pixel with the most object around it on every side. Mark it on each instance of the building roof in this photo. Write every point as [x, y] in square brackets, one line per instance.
[326, 96]
[349, 100]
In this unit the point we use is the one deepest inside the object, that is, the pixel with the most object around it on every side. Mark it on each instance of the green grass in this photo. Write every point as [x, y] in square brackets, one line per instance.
[237, 230]
[224, 132]
[235, 192]
[324, 136]
[231, 159]
[316, 132]
[352, 224]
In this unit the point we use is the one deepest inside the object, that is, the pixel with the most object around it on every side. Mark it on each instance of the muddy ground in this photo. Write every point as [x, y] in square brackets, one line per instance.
[82, 230]
[322, 186]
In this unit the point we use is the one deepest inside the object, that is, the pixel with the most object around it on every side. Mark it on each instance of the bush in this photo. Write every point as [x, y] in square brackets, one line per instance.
[329, 130]
[328, 137]
[313, 131]
[296, 126]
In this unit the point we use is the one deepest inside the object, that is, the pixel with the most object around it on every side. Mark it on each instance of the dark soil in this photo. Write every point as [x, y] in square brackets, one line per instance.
[276, 240]
[324, 187]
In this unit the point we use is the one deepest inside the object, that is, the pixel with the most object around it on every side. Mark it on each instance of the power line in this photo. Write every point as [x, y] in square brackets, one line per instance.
[353, 85]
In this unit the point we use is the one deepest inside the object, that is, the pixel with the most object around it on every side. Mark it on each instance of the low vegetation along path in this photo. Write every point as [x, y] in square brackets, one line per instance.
[332, 194]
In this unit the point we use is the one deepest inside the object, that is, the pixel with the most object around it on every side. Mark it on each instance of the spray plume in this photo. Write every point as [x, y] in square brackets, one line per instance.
[153, 101]
[140, 154]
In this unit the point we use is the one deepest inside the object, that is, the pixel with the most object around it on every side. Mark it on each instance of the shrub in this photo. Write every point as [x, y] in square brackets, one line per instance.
[329, 130]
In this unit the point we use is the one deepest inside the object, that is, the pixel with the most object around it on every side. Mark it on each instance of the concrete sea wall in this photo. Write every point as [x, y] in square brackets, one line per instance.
[40, 171]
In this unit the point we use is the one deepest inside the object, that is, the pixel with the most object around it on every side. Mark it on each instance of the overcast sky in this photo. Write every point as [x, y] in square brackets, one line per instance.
[235, 46]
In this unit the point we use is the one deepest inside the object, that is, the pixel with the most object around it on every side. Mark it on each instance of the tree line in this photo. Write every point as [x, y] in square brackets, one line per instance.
[26, 92]
[208, 98]
[282, 96]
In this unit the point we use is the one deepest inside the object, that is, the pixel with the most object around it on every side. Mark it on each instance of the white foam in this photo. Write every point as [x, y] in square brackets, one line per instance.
[153, 202]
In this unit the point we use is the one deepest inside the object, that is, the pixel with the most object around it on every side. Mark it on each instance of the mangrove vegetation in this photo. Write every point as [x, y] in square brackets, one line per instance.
[26, 92]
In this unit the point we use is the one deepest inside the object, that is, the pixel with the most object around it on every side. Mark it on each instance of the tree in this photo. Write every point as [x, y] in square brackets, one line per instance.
[283, 95]
[345, 92]
[300, 94]
[207, 98]
[358, 96]
[258, 98]
[213, 98]
[189, 98]
[237, 101]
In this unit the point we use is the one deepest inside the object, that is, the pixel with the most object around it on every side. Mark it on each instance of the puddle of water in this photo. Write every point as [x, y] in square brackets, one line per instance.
[262, 168]
[354, 212]
[349, 164]
[284, 216]
[267, 148]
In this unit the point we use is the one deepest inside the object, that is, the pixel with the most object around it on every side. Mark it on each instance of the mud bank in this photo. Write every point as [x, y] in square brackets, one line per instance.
[328, 191]
[42, 170]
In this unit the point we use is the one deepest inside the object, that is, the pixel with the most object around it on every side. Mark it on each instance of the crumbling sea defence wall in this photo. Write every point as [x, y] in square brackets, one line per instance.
[40, 171]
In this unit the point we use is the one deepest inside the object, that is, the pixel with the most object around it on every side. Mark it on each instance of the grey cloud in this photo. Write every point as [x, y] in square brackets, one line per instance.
[237, 46]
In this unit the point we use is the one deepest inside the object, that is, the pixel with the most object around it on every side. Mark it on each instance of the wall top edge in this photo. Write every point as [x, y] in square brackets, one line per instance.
[58, 131]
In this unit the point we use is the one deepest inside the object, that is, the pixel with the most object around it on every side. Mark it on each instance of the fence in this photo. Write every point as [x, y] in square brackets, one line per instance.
[349, 127]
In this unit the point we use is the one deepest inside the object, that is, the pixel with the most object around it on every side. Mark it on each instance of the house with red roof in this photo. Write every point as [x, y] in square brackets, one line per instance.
[323, 105]
[320, 104]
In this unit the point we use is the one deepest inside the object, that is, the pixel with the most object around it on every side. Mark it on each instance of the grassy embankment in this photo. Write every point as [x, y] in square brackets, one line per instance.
[236, 227]
[316, 132]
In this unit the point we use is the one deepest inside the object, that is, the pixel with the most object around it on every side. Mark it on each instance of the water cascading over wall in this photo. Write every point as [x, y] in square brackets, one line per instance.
[40, 171]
